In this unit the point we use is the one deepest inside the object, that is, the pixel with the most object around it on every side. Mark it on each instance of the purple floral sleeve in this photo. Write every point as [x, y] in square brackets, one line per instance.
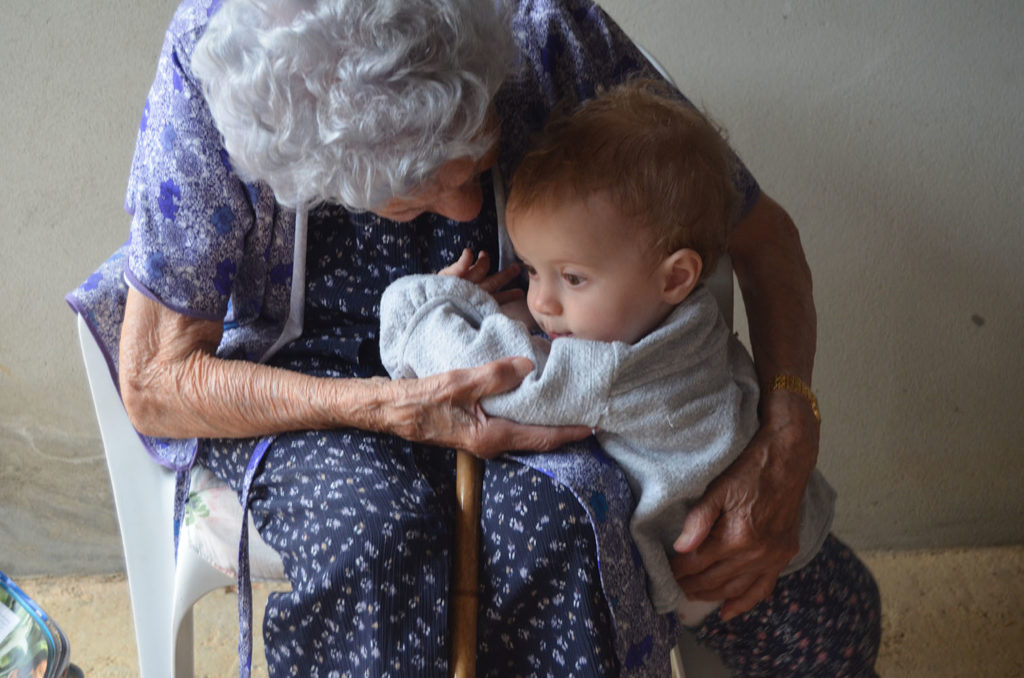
[191, 215]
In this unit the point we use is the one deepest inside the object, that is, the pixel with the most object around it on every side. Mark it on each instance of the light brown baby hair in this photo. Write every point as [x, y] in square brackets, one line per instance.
[662, 164]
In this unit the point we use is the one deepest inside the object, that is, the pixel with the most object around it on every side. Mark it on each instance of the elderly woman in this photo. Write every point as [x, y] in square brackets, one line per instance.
[294, 158]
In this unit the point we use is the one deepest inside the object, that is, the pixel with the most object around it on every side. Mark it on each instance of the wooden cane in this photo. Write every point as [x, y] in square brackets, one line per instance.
[466, 572]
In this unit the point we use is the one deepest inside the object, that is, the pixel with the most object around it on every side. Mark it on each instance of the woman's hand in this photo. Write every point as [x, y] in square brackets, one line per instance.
[444, 410]
[745, 529]
[475, 271]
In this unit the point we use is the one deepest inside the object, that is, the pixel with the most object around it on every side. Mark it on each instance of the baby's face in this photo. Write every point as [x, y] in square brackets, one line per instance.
[591, 275]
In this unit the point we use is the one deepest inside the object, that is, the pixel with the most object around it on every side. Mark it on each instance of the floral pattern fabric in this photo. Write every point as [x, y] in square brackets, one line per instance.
[822, 621]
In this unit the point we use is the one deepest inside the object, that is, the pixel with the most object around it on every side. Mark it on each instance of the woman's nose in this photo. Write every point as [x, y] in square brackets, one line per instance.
[462, 203]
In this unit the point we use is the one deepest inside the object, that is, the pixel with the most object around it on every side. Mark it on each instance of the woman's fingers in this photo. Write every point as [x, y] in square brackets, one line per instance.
[755, 508]
[445, 410]
[725, 577]
[731, 589]
[761, 589]
[502, 435]
[698, 523]
[501, 375]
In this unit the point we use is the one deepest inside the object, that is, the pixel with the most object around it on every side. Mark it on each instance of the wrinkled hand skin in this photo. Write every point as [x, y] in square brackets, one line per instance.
[444, 410]
[744, 531]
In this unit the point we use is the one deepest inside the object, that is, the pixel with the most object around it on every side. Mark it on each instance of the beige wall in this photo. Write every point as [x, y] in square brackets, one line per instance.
[891, 133]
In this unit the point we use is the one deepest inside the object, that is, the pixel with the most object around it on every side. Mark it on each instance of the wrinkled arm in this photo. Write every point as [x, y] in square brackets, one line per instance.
[744, 531]
[173, 385]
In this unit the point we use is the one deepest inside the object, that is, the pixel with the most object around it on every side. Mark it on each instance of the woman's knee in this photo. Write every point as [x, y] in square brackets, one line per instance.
[347, 495]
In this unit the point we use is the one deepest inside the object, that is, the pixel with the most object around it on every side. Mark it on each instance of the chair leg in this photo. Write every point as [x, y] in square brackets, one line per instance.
[676, 662]
[183, 653]
[150, 581]
[193, 579]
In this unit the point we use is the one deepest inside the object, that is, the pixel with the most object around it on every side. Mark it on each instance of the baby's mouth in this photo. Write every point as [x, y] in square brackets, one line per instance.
[559, 335]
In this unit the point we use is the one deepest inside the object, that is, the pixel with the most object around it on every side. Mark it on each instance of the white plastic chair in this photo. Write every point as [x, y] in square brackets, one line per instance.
[162, 595]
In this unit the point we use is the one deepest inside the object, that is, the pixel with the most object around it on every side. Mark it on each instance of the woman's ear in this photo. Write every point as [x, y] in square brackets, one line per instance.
[680, 272]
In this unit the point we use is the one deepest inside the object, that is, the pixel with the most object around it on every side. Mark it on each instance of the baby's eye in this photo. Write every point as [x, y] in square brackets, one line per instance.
[530, 270]
[573, 279]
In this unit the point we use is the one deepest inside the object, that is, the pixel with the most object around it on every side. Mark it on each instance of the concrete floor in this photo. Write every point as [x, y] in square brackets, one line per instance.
[945, 614]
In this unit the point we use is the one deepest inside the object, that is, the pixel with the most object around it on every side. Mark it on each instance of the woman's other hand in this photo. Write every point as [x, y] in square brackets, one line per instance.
[745, 529]
[444, 410]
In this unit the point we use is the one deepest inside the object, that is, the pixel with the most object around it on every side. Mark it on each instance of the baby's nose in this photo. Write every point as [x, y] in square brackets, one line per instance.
[543, 301]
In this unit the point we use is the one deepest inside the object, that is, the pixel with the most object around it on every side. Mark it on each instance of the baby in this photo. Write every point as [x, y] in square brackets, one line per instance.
[617, 215]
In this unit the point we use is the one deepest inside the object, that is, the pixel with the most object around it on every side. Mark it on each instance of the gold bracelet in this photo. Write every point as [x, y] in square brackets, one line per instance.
[791, 382]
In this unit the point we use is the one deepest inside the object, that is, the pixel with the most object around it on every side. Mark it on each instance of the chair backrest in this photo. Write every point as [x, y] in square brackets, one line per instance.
[720, 284]
[143, 496]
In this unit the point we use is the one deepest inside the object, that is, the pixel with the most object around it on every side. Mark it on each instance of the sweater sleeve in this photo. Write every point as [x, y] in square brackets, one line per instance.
[432, 324]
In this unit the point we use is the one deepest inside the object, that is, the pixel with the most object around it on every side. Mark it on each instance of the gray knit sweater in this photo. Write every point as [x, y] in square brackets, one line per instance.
[674, 409]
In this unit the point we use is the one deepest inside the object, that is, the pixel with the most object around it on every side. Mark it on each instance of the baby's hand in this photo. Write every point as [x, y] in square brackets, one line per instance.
[476, 272]
[466, 268]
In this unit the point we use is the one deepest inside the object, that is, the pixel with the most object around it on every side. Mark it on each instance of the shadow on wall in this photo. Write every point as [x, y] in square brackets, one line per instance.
[57, 512]
[919, 366]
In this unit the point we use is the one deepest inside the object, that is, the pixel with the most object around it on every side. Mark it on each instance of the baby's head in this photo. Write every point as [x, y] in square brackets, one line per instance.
[619, 211]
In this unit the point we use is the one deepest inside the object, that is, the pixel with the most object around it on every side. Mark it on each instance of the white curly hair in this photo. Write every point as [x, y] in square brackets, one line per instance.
[352, 101]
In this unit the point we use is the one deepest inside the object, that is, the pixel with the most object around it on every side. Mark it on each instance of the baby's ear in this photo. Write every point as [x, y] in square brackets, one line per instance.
[680, 273]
